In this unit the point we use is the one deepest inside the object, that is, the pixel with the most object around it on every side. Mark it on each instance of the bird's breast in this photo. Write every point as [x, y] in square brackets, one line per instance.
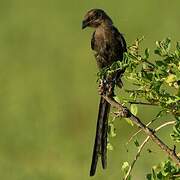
[102, 37]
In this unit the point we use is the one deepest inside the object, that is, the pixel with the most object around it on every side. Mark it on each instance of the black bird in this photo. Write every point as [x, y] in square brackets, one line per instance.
[109, 46]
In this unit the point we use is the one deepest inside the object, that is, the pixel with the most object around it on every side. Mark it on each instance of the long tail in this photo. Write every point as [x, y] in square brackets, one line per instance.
[100, 145]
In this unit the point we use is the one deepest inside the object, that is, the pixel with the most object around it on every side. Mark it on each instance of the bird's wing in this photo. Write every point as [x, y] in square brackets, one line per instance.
[120, 39]
[93, 41]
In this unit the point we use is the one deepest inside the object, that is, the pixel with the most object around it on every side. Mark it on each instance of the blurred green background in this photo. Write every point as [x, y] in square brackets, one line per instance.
[48, 94]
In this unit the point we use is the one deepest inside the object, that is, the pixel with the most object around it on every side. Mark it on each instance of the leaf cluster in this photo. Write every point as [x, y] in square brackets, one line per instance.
[164, 171]
[154, 82]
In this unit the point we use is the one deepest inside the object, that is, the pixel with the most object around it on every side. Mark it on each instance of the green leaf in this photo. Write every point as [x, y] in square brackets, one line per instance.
[159, 114]
[159, 175]
[171, 78]
[112, 130]
[136, 143]
[167, 44]
[125, 166]
[146, 53]
[176, 132]
[164, 174]
[116, 98]
[149, 176]
[134, 109]
[157, 51]
[154, 174]
[178, 46]
[159, 63]
[129, 178]
[164, 171]
[129, 121]
[163, 47]
[110, 147]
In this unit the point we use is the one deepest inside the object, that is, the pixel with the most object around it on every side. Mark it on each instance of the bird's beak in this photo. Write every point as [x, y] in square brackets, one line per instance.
[85, 23]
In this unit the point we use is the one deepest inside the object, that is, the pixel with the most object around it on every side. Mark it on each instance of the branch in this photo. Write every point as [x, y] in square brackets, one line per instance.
[164, 125]
[124, 112]
[136, 157]
[141, 147]
[142, 103]
[146, 61]
[136, 133]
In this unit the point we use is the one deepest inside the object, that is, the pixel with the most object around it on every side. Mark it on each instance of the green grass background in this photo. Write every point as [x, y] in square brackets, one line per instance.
[48, 94]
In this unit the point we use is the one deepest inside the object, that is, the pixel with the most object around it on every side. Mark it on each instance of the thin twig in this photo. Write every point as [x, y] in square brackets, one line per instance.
[142, 103]
[142, 145]
[136, 157]
[176, 175]
[136, 133]
[164, 125]
[146, 61]
[124, 112]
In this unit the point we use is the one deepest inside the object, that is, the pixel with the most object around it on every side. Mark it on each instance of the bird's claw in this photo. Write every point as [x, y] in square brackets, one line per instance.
[106, 88]
[102, 87]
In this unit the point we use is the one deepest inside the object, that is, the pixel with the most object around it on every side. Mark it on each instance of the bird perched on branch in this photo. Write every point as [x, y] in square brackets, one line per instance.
[109, 46]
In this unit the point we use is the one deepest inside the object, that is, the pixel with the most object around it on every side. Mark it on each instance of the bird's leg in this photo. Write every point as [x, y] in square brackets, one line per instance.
[111, 81]
[106, 86]
[110, 89]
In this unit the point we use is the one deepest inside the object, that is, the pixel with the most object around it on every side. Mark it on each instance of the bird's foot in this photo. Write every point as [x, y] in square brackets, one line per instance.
[106, 87]
[102, 87]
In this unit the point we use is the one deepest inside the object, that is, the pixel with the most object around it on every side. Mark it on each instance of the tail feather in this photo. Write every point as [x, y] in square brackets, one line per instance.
[100, 145]
[104, 135]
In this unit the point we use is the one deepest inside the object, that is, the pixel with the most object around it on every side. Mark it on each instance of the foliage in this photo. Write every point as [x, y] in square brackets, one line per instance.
[153, 80]
[154, 83]
[164, 171]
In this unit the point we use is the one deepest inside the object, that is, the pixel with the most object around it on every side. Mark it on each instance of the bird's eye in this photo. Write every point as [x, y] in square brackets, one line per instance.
[92, 18]
[96, 14]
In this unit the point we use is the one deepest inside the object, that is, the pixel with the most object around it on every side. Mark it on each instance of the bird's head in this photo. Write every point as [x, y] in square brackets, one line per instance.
[94, 18]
